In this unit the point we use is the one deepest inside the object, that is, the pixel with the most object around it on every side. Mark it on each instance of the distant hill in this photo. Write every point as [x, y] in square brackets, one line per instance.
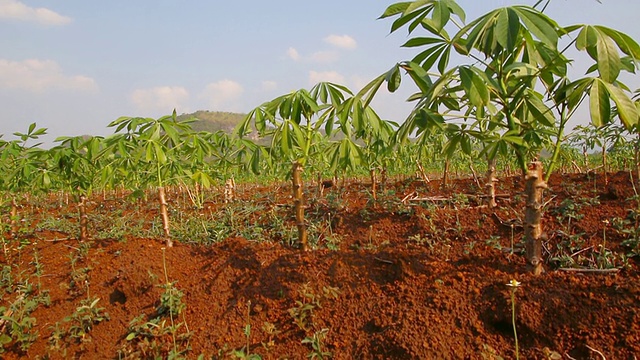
[213, 121]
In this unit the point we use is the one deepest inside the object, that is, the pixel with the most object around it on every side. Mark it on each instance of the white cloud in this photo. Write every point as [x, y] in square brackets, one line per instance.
[341, 41]
[161, 99]
[39, 75]
[269, 85]
[13, 9]
[293, 54]
[331, 76]
[324, 57]
[222, 95]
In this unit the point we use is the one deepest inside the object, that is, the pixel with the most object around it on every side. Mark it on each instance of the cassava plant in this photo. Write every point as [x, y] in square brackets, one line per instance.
[25, 169]
[156, 144]
[516, 81]
[294, 122]
[78, 167]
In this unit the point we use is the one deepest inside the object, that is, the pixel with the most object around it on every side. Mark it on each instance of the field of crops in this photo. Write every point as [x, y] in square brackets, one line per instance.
[479, 226]
[419, 272]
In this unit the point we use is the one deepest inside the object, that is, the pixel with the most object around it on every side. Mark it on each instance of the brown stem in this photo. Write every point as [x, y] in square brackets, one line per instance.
[320, 185]
[82, 209]
[604, 164]
[585, 155]
[374, 180]
[383, 174]
[445, 176]
[298, 200]
[475, 176]
[423, 175]
[490, 183]
[165, 215]
[637, 156]
[534, 188]
[14, 217]
[229, 190]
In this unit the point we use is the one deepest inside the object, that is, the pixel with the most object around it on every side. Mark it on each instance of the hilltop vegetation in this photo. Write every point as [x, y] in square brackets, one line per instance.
[212, 121]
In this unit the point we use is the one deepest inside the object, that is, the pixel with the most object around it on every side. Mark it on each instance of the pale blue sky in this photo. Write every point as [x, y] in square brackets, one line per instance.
[75, 65]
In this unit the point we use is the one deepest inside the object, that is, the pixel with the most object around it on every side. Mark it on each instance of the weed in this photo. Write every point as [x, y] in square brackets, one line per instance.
[436, 247]
[568, 211]
[85, 317]
[38, 266]
[315, 341]
[62, 224]
[245, 352]
[79, 280]
[302, 313]
[271, 331]
[145, 338]
[494, 242]
[468, 248]
[56, 339]
[18, 322]
[490, 353]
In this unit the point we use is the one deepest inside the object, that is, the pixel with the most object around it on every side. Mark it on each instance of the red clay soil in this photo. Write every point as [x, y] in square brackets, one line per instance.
[425, 281]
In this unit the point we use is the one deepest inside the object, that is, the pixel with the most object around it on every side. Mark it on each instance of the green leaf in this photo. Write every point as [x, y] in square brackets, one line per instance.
[441, 15]
[539, 110]
[587, 38]
[421, 41]
[599, 104]
[608, 59]
[393, 79]
[627, 44]
[539, 25]
[475, 88]
[456, 9]
[507, 28]
[395, 9]
[627, 110]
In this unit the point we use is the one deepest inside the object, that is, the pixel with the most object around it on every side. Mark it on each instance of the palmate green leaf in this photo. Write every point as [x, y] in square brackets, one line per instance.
[475, 88]
[627, 44]
[300, 138]
[428, 57]
[478, 30]
[285, 138]
[416, 4]
[587, 38]
[441, 15]
[456, 9]
[419, 76]
[328, 125]
[415, 14]
[395, 9]
[407, 17]
[452, 145]
[608, 59]
[627, 110]
[507, 28]
[599, 103]
[161, 156]
[540, 25]
[539, 110]
[422, 41]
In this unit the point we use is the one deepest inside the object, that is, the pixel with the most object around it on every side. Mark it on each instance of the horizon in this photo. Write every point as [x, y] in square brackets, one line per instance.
[73, 67]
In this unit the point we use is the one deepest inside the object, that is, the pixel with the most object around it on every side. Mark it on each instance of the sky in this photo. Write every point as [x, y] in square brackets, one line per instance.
[73, 66]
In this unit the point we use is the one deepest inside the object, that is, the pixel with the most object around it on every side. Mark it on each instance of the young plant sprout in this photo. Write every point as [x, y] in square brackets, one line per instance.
[514, 285]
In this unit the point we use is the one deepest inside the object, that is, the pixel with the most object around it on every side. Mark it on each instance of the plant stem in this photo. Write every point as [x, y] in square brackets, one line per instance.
[170, 288]
[513, 320]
